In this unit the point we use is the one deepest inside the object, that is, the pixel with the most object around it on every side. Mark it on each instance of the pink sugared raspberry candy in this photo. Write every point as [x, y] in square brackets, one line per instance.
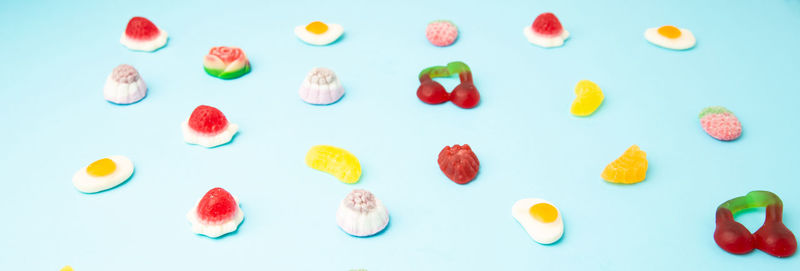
[140, 28]
[216, 206]
[441, 33]
[207, 120]
[720, 123]
[459, 163]
[546, 24]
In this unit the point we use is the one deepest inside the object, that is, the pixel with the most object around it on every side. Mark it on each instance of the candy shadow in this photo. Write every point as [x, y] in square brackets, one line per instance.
[388, 224]
[334, 102]
[136, 102]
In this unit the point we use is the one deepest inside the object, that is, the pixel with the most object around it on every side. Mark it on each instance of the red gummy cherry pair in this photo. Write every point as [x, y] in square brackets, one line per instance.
[459, 163]
[773, 237]
[465, 95]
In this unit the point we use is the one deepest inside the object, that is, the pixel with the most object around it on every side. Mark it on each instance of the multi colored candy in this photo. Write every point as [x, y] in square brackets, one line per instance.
[720, 123]
[459, 163]
[629, 168]
[208, 127]
[216, 214]
[546, 31]
[362, 214]
[335, 161]
[124, 85]
[670, 37]
[589, 97]
[540, 219]
[773, 237]
[103, 174]
[226, 62]
[441, 33]
[142, 35]
[319, 33]
[321, 86]
[465, 95]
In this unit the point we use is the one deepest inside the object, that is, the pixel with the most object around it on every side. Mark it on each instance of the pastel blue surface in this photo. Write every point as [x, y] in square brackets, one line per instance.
[57, 54]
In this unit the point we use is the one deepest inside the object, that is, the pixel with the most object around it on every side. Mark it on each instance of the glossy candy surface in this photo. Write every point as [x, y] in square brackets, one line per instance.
[465, 95]
[335, 161]
[588, 98]
[773, 237]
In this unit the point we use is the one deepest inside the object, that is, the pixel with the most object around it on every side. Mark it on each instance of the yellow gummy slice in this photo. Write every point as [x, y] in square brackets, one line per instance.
[589, 97]
[102, 167]
[67, 268]
[544, 212]
[629, 168]
[335, 161]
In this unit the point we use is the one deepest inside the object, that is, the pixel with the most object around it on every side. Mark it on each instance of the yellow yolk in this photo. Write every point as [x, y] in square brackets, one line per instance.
[669, 31]
[102, 167]
[544, 212]
[67, 268]
[317, 27]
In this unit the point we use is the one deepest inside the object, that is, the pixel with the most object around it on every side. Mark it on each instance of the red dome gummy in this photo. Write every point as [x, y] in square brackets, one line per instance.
[547, 24]
[459, 163]
[216, 206]
[140, 28]
[208, 120]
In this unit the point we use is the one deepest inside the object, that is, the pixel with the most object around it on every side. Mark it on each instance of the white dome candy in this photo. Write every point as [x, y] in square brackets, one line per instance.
[124, 85]
[362, 214]
[321, 86]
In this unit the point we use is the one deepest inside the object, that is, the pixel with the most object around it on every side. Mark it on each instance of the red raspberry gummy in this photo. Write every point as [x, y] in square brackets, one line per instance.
[547, 24]
[217, 205]
[459, 163]
[140, 28]
[207, 120]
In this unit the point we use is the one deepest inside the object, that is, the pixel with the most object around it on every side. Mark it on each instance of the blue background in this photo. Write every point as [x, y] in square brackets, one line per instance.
[57, 54]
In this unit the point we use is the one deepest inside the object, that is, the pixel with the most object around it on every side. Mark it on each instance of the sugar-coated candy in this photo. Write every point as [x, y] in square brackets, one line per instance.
[441, 33]
[208, 127]
[459, 163]
[546, 31]
[142, 35]
[362, 214]
[226, 62]
[465, 95]
[629, 168]
[335, 161]
[773, 237]
[720, 123]
[670, 37]
[124, 85]
[321, 86]
[103, 174]
[588, 98]
[217, 213]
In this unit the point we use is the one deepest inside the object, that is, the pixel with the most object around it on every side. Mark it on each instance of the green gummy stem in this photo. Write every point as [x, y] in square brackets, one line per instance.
[228, 75]
[455, 67]
[753, 199]
[714, 110]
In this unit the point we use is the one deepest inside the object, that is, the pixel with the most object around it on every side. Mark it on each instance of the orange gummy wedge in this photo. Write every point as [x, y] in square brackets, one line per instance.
[629, 168]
